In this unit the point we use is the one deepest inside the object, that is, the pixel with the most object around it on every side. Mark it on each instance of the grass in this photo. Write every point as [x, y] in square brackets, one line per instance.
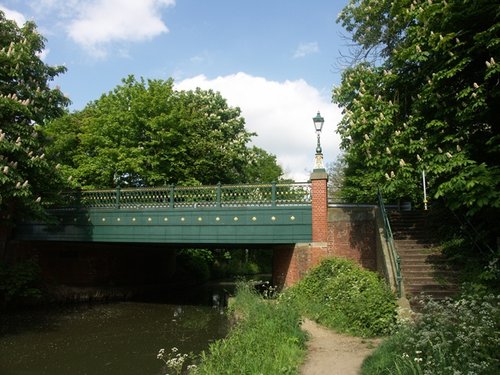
[266, 340]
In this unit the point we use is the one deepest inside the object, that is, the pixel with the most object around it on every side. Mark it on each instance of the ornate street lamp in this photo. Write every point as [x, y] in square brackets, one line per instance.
[318, 126]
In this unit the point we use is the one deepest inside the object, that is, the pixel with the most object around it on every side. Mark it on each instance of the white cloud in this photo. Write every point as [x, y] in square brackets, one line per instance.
[96, 24]
[13, 15]
[43, 54]
[305, 49]
[104, 21]
[281, 114]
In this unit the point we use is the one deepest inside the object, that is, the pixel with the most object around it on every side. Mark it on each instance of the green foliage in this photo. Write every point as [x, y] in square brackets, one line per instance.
[336, 172]
[204, 264]
[19, 281]
[196, 263]
[341, 295]
[422, 95]
[26, 102]
[144, 133]
[266, 340]
[241, 262]
[452, 337]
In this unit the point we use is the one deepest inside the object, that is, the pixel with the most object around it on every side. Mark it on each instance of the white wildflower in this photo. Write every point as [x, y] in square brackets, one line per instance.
[402, 163]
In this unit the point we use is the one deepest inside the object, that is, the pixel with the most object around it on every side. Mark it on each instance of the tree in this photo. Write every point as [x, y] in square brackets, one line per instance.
[144, 133]
[27, 102]
[336, 172]
[261, 167]
[425, 97]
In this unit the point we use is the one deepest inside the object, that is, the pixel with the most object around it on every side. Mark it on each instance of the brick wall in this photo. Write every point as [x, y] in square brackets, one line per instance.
[319, 207]
[99, 264]
[352, 234]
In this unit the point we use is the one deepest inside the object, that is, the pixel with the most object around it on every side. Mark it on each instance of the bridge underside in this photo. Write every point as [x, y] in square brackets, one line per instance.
[211, 225]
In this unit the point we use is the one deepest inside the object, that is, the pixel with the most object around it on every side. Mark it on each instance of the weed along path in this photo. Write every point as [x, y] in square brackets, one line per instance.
[331, 353]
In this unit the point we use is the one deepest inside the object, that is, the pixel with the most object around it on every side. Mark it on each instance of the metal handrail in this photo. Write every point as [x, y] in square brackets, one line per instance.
[395, 259]
[272, 194]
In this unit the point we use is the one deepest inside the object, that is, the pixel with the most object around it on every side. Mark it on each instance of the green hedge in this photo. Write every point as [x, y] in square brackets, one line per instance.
[341, 295]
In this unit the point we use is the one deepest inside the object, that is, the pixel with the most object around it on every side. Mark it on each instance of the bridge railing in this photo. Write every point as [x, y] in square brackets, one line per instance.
[273, 194]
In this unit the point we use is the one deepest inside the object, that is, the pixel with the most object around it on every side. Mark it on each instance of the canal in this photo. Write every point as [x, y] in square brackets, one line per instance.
[112, 338]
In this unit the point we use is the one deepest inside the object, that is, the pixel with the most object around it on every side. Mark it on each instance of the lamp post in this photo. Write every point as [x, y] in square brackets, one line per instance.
[318, 126]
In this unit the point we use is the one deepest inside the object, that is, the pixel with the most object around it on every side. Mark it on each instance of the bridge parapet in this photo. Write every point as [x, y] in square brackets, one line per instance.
[255, 195]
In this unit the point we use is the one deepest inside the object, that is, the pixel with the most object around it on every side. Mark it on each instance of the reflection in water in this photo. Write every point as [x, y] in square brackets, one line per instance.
[118, 338]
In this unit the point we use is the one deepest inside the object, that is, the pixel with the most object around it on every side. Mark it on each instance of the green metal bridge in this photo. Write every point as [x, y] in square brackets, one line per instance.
[277, 213]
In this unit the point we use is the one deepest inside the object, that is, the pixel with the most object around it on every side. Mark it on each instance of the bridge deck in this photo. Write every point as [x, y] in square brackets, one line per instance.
[238, 214]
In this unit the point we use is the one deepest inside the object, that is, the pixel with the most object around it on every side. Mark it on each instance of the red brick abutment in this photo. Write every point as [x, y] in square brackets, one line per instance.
[351, 233]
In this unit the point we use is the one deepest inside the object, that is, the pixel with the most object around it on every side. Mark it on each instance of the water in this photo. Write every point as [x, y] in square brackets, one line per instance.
[116, 338]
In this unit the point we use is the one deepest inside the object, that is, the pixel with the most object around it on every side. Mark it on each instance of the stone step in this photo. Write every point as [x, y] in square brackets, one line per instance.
[428, 279]
[414, 294]
[423, 268]
[432, 274]
[420, 256]
[412, 243]
[417, 272]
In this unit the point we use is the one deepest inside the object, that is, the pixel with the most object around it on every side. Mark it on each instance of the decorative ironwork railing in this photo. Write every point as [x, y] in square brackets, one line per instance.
[395, 259]
[274, 194]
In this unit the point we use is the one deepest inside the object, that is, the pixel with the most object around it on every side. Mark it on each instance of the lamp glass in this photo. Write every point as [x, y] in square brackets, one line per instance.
[318, 122]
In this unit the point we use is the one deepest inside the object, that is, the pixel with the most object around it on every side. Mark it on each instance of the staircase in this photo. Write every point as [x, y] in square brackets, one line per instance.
[423, 267]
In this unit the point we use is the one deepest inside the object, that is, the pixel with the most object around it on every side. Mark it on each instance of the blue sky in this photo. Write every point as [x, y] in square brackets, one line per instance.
[275, 59]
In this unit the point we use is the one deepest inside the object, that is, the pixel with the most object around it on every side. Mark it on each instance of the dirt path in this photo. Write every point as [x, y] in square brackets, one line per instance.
[330, 353]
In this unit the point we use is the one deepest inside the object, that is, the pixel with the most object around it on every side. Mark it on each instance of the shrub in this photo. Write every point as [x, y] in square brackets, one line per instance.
[341, 295]
[19, 281]
[196, 262]
[450, 337]
[266, 340]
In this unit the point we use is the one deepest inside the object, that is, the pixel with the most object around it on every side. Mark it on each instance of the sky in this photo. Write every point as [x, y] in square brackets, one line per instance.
[277, 60]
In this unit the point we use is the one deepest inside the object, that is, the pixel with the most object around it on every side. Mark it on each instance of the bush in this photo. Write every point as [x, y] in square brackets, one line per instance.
[195, 262]
[450, 337]
[341, 295]
[19, 281]
[266, 340]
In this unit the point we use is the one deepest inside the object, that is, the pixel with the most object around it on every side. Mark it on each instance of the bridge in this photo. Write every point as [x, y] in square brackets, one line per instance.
[293, 220]
[276, 213]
